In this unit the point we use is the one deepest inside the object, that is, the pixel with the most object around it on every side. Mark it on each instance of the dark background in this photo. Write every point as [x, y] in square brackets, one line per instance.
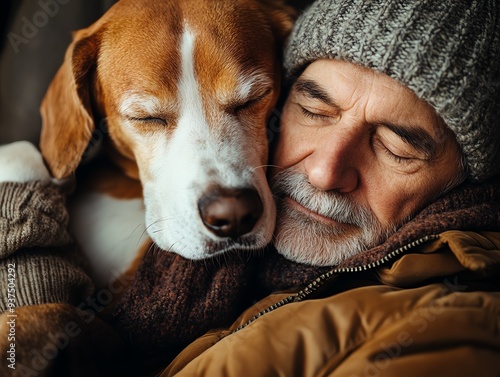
[26, 69]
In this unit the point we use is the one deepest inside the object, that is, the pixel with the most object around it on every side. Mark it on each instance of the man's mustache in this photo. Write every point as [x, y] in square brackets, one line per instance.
[331, 204]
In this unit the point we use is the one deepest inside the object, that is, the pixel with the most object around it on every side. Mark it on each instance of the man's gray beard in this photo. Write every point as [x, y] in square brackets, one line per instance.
[303, 239]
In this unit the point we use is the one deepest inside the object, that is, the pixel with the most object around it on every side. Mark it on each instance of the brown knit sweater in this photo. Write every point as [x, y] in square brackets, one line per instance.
[172, 301]
[34, 240]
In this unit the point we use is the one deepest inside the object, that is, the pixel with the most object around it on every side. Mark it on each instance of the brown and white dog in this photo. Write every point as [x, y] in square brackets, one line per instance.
[186, 88]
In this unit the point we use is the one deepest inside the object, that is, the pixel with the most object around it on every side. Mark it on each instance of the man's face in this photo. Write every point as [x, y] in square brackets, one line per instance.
[358, 155]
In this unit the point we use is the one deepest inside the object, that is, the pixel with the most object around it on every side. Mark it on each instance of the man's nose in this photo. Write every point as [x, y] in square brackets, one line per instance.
[333, 164]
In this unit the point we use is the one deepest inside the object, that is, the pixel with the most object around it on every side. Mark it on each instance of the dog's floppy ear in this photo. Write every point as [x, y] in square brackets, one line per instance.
[282, 18]
[66, 108]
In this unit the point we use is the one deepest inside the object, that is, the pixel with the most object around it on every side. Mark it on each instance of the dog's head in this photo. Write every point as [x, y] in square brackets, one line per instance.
[186, 88]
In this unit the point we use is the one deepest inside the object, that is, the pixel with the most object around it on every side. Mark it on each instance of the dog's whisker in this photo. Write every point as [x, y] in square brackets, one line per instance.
[171, 247]
[132, 234]
[143, 235]
[264, 166]
[164, 219]
[156, 222]
[172, 233]
[152, 248]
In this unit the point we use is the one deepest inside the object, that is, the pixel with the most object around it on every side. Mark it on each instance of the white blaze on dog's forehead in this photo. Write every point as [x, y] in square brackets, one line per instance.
[191, 103]
[177, 159]
[203, 150]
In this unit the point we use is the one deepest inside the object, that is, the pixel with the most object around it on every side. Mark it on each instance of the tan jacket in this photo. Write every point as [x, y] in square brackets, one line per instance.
[433, 312]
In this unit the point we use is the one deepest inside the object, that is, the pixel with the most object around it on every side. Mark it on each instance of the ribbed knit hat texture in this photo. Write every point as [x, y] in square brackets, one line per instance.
[447, 52]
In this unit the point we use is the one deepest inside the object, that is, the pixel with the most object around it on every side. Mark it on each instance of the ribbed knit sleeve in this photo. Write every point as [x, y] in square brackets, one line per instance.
[37, 254]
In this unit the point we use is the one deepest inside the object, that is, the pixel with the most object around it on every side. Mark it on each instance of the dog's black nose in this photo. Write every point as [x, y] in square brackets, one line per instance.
[230, 212]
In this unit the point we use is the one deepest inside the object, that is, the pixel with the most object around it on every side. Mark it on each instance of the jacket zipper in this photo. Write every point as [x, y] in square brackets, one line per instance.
[323, 278]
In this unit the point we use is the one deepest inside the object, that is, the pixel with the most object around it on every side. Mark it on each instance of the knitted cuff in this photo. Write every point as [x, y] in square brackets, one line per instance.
[38, 276]
[39, 262]
[31, 214]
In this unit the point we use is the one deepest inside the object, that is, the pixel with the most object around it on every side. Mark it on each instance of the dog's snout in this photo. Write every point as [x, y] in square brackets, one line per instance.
[230, 213]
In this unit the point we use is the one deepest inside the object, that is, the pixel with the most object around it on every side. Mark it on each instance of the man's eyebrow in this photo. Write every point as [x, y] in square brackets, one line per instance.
[312, 89]
[415, 136]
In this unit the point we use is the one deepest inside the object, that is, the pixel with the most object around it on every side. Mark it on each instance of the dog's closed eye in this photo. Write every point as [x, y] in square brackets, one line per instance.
[157, 120]
[238, 108]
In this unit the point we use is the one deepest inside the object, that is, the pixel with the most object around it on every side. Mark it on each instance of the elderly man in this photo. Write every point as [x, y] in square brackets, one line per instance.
[359, 154]
[385, 170]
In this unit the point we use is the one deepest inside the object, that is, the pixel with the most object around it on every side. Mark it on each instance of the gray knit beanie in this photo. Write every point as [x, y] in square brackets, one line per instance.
[446, 51]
